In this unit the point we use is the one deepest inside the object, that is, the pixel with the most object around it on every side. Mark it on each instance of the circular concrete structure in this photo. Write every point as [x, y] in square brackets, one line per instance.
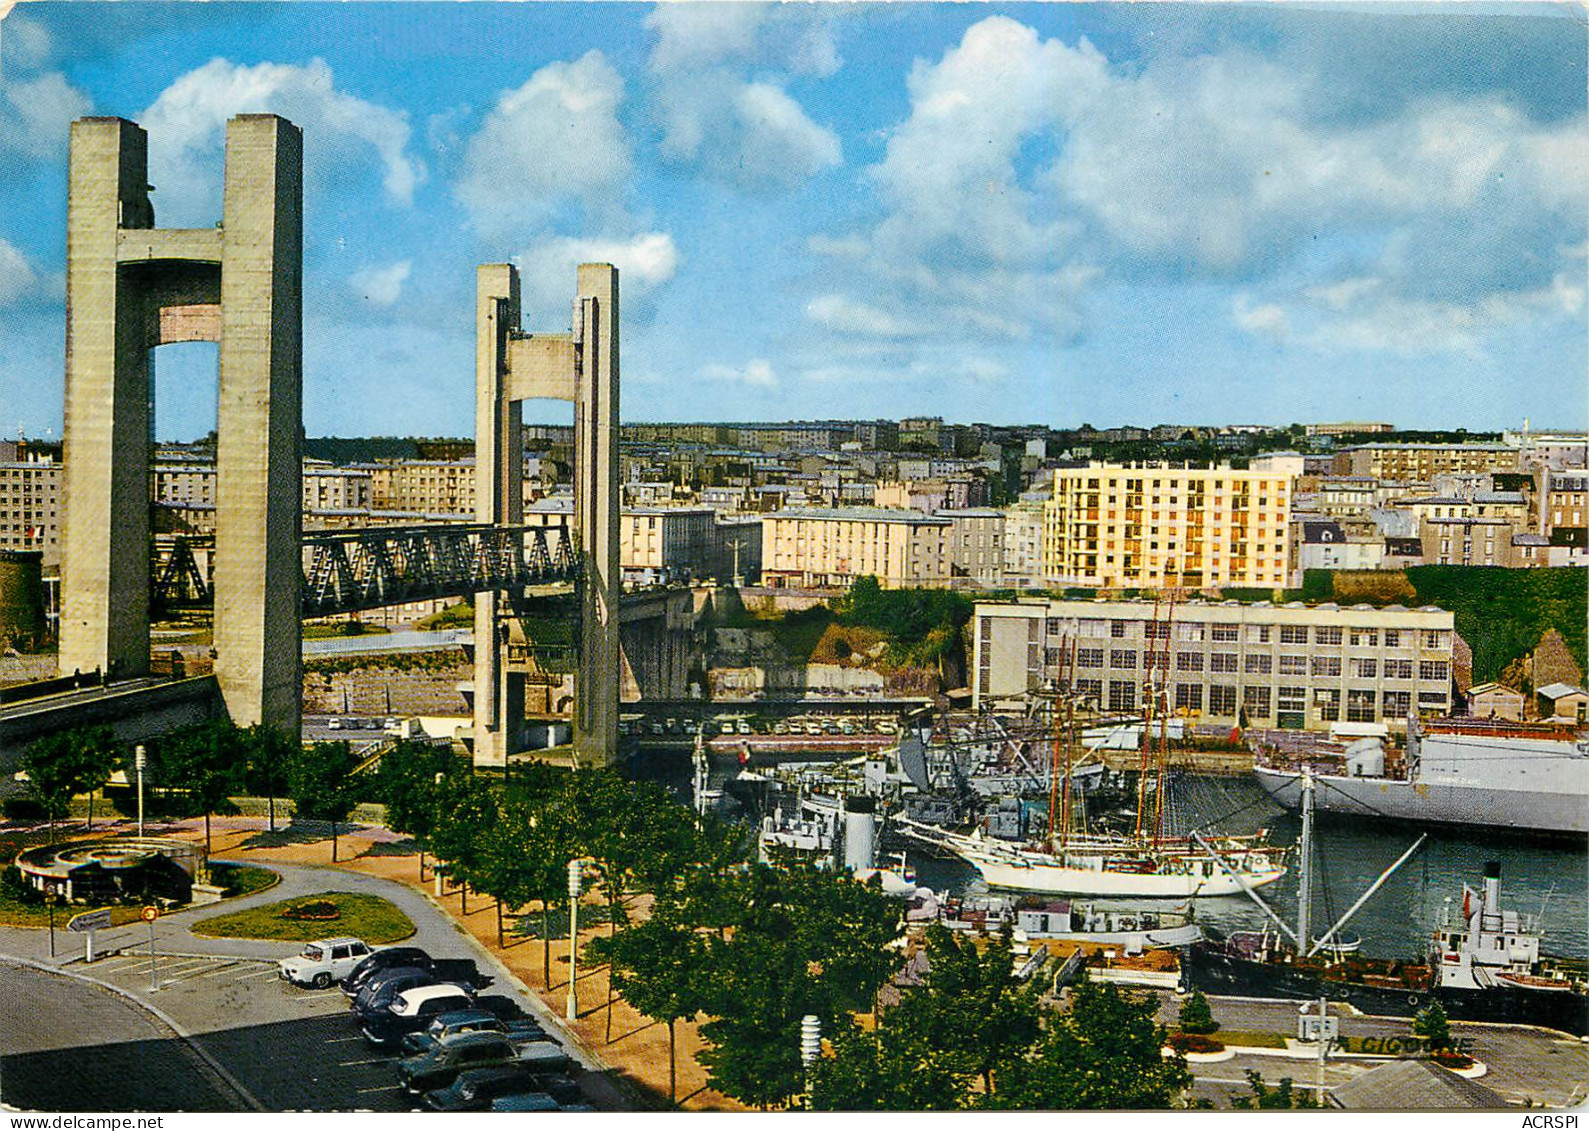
[113, 867]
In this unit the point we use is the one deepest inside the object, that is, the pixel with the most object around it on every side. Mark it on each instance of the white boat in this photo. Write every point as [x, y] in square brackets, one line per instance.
[1134, 930]
[1114, 867]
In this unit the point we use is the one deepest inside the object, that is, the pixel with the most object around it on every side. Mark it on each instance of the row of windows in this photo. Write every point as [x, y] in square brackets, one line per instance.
[1196, 632]
[1122, 659]
[1258, 702]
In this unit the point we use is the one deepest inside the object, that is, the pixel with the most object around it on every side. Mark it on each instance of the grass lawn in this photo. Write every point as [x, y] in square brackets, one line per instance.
[1250, 1040]
[16, 913]
[367, 917]
[242, 879]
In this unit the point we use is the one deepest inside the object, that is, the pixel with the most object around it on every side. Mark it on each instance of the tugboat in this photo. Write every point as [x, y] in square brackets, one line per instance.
[1483, 964]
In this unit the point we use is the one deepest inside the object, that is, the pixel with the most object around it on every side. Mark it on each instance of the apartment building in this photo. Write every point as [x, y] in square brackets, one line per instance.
[1023, 545]
[1146, 525]
[657, 545]
[184, 482]
[1347, 428]
[328, 488]
[976, 543]
[821, 548]
[428, 486]
[30, 507]
[1291, 666]
[1420, 463]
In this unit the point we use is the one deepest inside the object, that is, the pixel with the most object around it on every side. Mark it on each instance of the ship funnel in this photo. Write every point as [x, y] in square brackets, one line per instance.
[860, 833]
[1491, 920]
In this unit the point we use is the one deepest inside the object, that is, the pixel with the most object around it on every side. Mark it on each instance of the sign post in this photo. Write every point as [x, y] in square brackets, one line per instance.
[87, 923]
[149, 914]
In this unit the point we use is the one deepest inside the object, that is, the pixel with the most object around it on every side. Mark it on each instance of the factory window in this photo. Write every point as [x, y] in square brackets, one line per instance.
[1293, 665]
[1327, 635]
[1433, 669]
[1398, 669]
[1222, 662]
[1360, 706]
[1090, 689]
[1223, 632]
[1189, 662]
[1364, 668]
[1393, 638]
[1432, 699]
[1365, 636]
[1188, 697]
[1327, 701]
[1326, 665]
[1258, 664]
[1089, 657]
[1257, 634]
[1398, 704]
[1122, 658]
[1190, 633]
[1117, 628]
[1122, 695]
[1293, 634]
[1255, 701]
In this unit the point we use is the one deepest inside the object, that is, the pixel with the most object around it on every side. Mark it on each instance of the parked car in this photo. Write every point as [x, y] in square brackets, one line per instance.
[527, 1101]
[560, 1087]
[543, 1056]
[520, 1031]
[478, 1088]
[387, 958]
[322, 962]
[440, 1066]
[384, 985]
[413, 1010]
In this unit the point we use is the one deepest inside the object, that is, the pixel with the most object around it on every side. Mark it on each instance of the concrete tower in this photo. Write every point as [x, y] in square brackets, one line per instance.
[582, 367]
[129, 288]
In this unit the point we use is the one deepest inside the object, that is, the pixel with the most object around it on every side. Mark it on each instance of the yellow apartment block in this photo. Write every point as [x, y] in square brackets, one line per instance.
[1420, 463]
[1149, 525]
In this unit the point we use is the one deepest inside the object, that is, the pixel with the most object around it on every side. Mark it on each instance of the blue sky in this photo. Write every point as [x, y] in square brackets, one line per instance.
[1057, 213]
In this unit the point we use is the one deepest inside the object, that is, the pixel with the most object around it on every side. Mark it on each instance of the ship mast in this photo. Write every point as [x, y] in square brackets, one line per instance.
[1305, 865]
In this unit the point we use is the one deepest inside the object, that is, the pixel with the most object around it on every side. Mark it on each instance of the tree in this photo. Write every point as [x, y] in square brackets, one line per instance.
[407, 783]
[1282, 1097]
[268, 758]
[886, 1069]
[1196, 1016]
[969, 1005]
[320, 779]
[652, 965]
[1432, 1025]
[53, 769]
[98, 756]
[466, 809]
[207, 763]
[802, 941]
[1103, 1054]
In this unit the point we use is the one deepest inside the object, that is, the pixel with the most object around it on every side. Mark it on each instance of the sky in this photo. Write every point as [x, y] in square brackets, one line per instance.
[1047, 213]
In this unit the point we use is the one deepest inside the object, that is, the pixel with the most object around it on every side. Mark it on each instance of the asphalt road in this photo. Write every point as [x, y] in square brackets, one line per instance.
[67, 1045]
[288, 1048]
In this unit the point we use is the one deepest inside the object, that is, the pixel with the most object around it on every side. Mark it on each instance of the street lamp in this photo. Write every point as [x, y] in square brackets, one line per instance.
[571, 1011]
[140, 759]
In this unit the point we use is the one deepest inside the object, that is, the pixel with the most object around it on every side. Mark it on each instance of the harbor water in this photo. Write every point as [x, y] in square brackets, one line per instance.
[1546, 880]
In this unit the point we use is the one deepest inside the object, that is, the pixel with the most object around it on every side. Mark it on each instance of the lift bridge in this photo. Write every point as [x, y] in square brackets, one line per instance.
[347, 571]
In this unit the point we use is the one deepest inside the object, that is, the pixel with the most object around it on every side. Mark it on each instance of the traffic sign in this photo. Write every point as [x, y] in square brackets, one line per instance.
[90, 920]
[149, 914]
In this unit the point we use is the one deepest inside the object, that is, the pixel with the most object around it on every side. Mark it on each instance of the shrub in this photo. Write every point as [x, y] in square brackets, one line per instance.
[1195, 1016]
[22, 809]
[1194, 1042]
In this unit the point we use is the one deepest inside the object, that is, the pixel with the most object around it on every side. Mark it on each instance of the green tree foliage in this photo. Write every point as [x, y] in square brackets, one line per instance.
[654, 966]
[407, 784]
[802, 941]
[61, 765]
[1102, 1054]
[207, 763]
[322, 785]
[1196, 1016]
[1433, 1026]
[467, 807]
[268, 756]
[1282, 1097]
[890, 1068]
[923, 625]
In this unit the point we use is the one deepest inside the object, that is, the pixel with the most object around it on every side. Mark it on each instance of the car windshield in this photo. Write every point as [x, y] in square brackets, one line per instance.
[313, 953]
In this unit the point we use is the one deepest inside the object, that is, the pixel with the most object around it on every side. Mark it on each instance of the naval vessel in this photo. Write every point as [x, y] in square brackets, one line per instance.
[1527, 777]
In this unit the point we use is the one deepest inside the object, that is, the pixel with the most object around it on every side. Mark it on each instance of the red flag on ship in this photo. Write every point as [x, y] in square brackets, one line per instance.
[1467, 901]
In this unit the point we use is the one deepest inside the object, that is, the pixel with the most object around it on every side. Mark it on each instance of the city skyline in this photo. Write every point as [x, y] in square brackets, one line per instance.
[1050, 213]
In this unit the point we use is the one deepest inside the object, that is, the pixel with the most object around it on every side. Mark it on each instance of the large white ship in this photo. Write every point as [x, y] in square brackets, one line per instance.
[1528, 777]
[1114, 867]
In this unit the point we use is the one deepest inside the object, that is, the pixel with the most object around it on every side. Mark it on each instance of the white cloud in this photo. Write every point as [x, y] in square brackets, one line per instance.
[757, 373]
[36, 114]
[342, 133]
[24, 43]
[381, 286]
[552, 143]
[17, 277]
[547, 271]
[1267, 320]
[845, 315]
[744, 131]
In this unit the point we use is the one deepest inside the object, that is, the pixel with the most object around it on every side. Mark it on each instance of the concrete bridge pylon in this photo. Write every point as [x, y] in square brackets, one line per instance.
[580, 366]
[131, 287]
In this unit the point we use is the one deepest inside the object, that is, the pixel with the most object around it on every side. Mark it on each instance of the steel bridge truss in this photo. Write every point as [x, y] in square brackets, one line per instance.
[346, 571]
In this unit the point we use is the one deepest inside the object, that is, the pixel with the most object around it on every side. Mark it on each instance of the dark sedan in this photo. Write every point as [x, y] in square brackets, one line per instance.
[410, 957]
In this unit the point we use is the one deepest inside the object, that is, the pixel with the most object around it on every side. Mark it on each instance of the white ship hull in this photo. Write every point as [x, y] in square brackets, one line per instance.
[1039, 876]
[1534, 811]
